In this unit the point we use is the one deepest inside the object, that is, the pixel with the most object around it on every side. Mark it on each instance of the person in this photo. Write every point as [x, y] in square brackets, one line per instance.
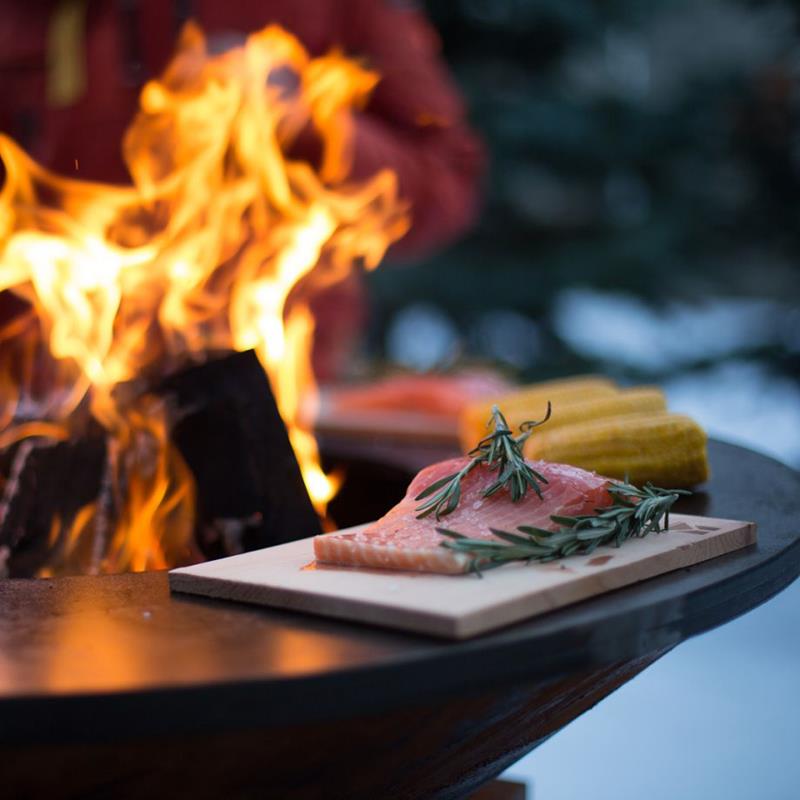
[72, 71]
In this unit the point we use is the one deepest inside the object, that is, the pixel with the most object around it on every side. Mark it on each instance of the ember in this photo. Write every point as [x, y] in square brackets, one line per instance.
[219, 244]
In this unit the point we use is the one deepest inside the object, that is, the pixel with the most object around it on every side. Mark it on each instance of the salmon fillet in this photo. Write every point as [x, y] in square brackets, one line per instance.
[401, 541]
[441, 395]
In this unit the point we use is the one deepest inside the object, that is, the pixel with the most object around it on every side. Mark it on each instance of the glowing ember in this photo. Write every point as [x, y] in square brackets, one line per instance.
[219, 244]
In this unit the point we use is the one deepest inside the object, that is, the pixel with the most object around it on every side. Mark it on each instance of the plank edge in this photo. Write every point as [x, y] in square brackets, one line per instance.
[358, 611]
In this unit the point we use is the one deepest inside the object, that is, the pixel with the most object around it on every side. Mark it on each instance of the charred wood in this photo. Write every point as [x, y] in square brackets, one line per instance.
[250, 492]
[225, 422]
[45, 484]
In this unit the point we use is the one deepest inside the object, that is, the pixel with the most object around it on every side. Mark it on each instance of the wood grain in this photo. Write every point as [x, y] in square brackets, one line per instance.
[455, 607]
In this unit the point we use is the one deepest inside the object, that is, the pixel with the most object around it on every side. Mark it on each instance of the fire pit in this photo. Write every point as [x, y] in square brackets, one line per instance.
[109, 687]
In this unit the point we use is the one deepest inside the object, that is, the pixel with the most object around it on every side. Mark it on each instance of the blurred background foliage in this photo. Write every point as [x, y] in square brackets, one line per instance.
[641, 207]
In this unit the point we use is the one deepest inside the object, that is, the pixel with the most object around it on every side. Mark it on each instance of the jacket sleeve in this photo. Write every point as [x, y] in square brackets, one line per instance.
[415, 123]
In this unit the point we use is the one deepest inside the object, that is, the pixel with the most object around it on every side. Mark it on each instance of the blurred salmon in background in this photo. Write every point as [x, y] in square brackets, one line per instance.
[72, 71]
[438, 395]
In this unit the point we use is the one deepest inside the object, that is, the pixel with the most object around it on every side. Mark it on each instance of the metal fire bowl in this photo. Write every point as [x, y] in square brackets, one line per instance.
[110, 687]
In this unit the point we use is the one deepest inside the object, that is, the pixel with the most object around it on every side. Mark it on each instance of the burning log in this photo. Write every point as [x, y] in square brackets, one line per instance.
[250, 492]
[46, 484]
[225, 423]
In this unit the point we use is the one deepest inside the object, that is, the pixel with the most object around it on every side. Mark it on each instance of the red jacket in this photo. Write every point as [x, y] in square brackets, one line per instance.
[414, 122]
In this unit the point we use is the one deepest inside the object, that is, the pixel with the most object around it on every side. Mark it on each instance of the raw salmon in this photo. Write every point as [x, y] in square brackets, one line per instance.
[444, 395]
[401, 541]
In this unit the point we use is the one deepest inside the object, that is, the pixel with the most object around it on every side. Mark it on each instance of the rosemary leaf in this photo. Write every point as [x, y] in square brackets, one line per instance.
[512, 538]
[443, 494]
[501, 452]
[434, 486]
[636, 512]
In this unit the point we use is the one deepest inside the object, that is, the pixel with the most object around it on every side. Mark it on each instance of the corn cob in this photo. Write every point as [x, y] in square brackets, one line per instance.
[570, 410]
[530, 402]
[667, 449]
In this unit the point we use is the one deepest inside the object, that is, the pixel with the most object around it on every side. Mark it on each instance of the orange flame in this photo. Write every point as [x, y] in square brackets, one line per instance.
[201, 253]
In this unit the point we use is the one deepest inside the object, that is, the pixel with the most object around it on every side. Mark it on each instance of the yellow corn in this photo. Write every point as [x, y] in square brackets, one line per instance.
[667, 449]
[571, 410]
[530, 402]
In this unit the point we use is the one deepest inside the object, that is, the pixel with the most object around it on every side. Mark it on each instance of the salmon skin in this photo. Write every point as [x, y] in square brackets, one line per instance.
[401, 541]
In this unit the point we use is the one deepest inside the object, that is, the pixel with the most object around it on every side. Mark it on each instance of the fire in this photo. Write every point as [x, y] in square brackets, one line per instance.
[219, 243]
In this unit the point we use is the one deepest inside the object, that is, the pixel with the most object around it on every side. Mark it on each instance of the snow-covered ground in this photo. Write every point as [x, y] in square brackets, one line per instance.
[718, 717]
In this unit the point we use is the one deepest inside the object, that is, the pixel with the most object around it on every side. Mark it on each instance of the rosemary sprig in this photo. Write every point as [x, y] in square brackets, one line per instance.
[500, 451]
[636, 512]
[444, 495]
